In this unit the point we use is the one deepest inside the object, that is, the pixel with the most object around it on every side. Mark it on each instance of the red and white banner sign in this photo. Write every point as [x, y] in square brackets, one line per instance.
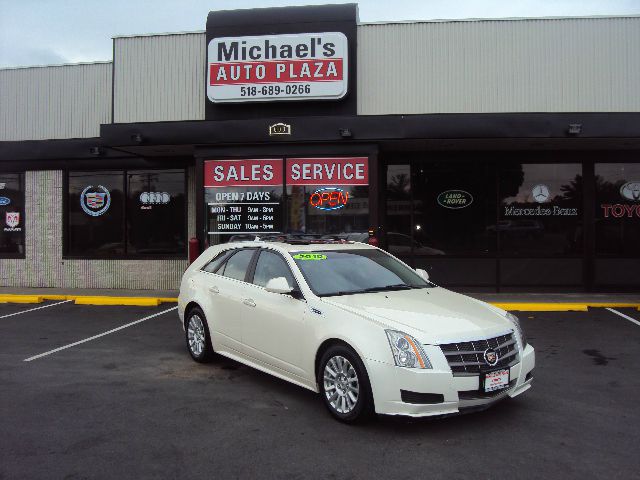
[303, 66]
[243, 173]
[299, 171]
[328, 171]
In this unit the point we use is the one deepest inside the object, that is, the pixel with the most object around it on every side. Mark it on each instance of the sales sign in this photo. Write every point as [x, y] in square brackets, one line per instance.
[304, 66]
[243, 173]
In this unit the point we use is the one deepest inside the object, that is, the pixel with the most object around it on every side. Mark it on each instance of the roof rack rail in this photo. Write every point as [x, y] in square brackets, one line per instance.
[291, 239]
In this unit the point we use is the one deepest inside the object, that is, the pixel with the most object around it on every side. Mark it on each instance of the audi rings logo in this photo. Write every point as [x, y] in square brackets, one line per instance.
[95, 201]
[491, 357]
[155, 198]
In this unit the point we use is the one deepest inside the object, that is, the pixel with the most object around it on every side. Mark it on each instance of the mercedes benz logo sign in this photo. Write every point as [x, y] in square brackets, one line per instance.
[540, 193]
[491, 357]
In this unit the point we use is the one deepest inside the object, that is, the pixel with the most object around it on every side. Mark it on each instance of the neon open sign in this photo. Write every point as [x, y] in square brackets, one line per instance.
[329, 198]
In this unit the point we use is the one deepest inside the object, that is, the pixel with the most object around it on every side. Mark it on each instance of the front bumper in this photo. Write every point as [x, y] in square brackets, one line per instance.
[454, 394]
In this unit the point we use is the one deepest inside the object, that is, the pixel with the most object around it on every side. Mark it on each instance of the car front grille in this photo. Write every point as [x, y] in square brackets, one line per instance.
[467, 358]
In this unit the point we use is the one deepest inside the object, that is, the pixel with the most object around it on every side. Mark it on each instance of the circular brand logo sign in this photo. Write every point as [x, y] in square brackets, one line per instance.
[455, 199]
[491, 357]
[540, 193]
[4, 201]
[154, 198]
[631, 191]
[95, 201]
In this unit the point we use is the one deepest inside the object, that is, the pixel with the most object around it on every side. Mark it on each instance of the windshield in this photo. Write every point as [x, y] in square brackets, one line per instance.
[346, 272]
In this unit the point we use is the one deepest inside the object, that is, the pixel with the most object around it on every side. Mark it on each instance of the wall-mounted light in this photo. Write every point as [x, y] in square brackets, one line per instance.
[574, 129]
[96, 151]
[137, 137]
[345, 133]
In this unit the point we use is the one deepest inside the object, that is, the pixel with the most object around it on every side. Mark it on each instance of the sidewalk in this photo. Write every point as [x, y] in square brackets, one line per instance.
[507, 301]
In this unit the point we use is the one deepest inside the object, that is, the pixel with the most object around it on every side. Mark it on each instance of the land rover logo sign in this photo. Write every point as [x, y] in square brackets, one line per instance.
[302, 66]
[631, 191]
[455, 199]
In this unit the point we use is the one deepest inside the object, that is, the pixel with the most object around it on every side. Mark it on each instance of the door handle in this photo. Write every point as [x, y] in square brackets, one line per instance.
[249, 302]
[214, 290]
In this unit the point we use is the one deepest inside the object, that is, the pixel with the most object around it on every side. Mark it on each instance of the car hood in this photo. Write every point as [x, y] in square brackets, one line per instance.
[433, 315]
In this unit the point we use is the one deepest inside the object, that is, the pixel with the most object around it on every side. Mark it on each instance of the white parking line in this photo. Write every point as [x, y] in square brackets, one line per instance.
[98, 336]
[37, 308]
[624, 316]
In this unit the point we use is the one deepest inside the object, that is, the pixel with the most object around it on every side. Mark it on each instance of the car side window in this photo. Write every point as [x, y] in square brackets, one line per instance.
[271, 265]
[214, 264]
[236, 266]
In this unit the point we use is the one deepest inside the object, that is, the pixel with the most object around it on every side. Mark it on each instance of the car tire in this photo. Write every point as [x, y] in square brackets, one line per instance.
[197, 336]
[344, 385]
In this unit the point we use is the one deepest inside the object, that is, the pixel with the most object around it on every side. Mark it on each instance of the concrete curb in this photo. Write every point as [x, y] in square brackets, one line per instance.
[90, 300]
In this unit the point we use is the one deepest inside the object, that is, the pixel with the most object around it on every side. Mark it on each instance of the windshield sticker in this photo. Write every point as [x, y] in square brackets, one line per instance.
[309, 256]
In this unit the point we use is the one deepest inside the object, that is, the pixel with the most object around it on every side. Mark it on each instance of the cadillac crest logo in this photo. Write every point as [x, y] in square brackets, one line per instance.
[95, 201]
[491, 357]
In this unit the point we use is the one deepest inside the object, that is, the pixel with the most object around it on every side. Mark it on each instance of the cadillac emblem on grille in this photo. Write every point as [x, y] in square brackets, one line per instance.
[491, 357]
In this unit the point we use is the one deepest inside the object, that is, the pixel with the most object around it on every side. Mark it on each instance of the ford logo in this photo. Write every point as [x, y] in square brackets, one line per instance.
[4, 201]
[455, 199]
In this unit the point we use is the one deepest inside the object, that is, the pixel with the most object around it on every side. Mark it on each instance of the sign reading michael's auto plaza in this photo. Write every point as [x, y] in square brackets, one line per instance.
[303, 66]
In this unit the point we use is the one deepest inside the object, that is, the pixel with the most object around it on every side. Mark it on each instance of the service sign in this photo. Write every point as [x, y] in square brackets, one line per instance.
[328, 171]
[303, 66]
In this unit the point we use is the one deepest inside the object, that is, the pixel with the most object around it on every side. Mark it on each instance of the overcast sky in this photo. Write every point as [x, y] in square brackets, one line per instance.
[41, 32]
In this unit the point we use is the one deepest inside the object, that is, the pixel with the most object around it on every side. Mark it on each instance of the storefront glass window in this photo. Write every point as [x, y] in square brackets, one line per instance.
[156, 211]
[452, 209]
[12, 214]
[617, 209]
[399, 211]
[328, 197]
[307, 197]
[120, 213]
[95, 206]
[326, 210]
[540, 212]
[243, 198]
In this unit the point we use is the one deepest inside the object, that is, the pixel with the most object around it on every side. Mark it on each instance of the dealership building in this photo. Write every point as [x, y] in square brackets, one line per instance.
[500, 155]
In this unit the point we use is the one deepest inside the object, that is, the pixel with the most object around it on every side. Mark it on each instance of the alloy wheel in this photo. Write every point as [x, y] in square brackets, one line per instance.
[341, 385]
[196, 335]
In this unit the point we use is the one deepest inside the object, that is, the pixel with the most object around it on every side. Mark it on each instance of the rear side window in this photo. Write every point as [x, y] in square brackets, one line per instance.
[236, 266]
[214, 264]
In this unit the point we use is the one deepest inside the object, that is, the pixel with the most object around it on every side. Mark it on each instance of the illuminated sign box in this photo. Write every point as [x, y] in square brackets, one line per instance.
[303, 66]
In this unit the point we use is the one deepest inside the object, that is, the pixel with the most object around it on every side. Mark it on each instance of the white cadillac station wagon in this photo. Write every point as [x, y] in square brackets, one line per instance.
[355, 324]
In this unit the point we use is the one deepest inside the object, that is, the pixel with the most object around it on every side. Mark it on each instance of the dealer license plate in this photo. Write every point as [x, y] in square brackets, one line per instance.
[496, 380]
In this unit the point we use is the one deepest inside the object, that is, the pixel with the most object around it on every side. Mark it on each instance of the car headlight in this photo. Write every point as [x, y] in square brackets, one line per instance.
[516, 323]
[407, 351]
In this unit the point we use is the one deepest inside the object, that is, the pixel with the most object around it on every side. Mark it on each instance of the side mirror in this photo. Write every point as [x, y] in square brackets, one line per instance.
[423, 274]
[278, 285]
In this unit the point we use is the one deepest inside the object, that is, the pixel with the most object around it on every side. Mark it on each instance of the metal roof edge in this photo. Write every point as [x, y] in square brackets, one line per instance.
[503, 19]
[77, 64]
[164, 34]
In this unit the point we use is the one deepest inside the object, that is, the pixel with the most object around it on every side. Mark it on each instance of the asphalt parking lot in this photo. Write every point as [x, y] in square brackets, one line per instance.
[132, 404]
